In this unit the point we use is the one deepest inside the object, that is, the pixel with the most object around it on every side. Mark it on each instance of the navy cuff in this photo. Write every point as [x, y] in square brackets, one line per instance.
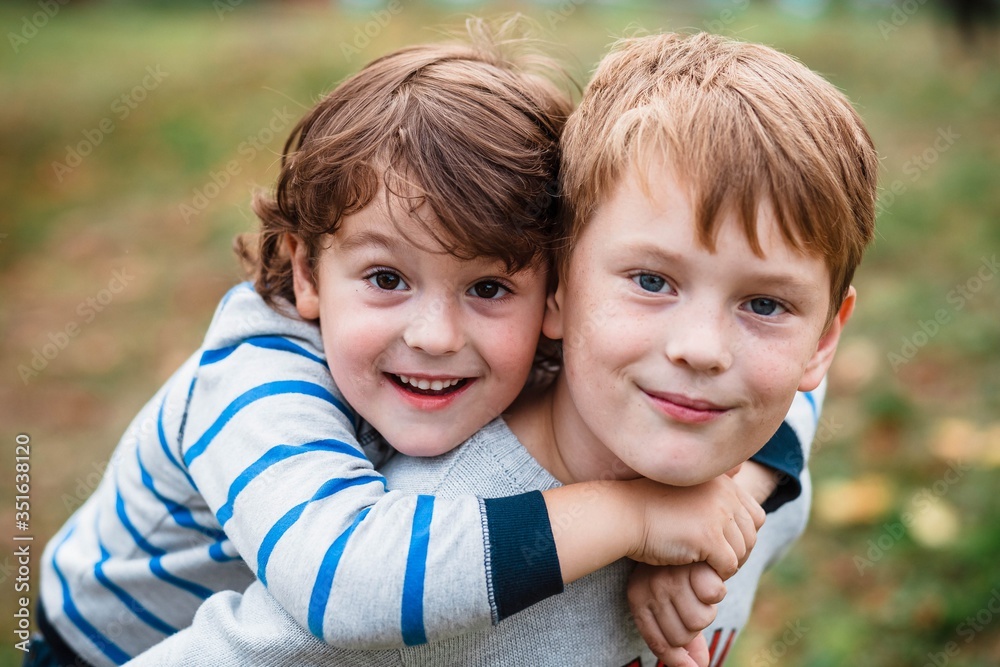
[783, 453]
[523, 559]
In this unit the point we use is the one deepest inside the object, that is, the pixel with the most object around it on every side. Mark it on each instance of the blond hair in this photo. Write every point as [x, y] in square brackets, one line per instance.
[740, 124]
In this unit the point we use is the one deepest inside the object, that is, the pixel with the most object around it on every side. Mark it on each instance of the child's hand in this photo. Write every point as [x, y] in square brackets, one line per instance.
[759, 480]
[671, 606]
[715, 522]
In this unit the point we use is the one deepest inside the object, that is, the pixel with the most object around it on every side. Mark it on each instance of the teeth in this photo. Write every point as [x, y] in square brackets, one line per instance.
[424, 384]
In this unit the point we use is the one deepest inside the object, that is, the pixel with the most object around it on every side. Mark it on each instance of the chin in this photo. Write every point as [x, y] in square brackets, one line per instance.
[431, 444]
[681, 473]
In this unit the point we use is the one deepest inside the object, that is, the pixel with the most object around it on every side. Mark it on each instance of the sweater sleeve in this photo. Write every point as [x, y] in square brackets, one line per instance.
[272, 448]
[787, 451]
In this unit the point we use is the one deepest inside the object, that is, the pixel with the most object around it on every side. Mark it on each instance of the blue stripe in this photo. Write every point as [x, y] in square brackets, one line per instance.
[282, 525]
[212, 356]
[324, 580]
[157, 553]
[263, 391]
[105, 645]
[130, 602]
[181, 514]
[279, 343]
[163, 438]
[812, 403]
[139, 539]
[195, 589]
[283, 344]
[269, 458]
[416, 568]
[219, 555]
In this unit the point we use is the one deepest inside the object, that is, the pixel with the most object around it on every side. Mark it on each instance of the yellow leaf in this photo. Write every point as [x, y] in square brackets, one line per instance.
[935, 525]
[856, 501]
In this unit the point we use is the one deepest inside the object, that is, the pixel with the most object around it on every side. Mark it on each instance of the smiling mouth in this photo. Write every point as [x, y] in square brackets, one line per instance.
[425, 387]
[686, 410]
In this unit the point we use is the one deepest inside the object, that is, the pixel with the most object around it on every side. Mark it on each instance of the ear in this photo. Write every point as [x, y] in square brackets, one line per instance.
[552, 322]
[820, 362]
[306, 292]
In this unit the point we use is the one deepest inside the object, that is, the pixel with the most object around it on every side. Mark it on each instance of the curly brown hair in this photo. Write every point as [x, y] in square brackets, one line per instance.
[470, 130]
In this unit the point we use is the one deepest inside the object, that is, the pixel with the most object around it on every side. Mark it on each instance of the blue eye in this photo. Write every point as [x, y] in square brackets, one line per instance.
[386, 280]
[765, 307]
[489, 289]
[650, 282]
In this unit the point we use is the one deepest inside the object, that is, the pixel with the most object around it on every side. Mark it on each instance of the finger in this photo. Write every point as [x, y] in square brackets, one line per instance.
[734, 471]
[745, 524]
[707, 584]
[678, 657]
[754, 509]
[723, 560]
[698, 651]
[649, 628]
[670, 618]
[758, 513]
[646, 623]
[693, 614]
[734, 535]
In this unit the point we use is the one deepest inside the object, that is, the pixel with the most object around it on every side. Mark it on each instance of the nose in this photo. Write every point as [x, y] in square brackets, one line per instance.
[698, 338]
[436, 326]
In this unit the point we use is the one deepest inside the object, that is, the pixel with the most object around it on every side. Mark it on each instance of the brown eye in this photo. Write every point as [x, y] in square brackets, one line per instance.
[386, 280]
[489, 289]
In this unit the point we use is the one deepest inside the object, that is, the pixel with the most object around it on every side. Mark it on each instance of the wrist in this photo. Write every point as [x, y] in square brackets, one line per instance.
[757, 479]
[594, 524]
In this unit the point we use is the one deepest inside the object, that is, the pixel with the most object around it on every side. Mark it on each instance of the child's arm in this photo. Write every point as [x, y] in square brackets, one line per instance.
[672, 605]
[272, 450]
[253, 629]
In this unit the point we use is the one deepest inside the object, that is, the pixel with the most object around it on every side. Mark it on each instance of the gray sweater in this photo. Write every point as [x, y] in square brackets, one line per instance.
[589, 624]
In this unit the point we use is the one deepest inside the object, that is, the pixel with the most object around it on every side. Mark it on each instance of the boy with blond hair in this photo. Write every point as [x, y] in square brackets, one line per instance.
[720, 197]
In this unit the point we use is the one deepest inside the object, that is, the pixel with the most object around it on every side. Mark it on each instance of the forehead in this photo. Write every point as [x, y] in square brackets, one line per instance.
[388, 222]
[653, 212]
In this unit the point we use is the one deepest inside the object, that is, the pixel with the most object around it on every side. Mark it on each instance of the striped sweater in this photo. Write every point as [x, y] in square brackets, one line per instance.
[587, 625]
[247, 464]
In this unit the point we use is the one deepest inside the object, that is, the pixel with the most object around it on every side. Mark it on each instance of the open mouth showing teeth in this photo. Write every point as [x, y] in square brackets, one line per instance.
[428, 387]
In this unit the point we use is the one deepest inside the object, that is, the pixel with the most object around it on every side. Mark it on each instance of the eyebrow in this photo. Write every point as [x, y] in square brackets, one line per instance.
[788, 281]
[652, 254]
[368, 239]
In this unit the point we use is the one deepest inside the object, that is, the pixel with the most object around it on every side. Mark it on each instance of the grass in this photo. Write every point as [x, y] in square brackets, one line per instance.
[893, 430]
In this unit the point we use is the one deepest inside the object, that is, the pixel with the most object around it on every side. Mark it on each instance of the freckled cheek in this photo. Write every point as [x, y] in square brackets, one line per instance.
[772, 377]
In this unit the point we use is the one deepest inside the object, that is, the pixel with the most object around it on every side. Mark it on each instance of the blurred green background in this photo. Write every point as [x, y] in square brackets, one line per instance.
[132, 135]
